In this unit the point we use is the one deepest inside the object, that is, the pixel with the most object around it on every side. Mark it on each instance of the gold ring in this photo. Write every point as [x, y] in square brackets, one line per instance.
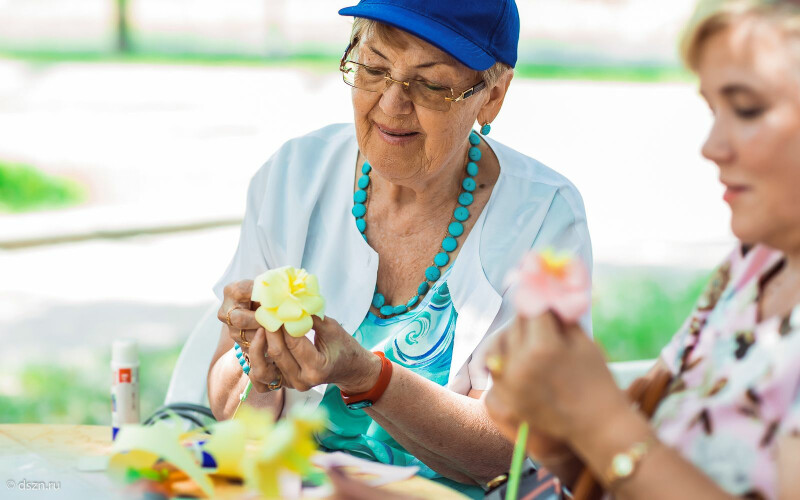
[243, 337]
[495, 364]
[277, 383]
[228, 314]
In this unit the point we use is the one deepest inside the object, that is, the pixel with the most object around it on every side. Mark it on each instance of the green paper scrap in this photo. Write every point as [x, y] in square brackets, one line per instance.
[512, 487]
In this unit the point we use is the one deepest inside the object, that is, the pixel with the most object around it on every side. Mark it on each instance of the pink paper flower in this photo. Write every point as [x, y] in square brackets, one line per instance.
[549, 281]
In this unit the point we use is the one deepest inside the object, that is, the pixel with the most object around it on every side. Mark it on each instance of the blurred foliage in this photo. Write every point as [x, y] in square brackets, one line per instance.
[81, 394]
[321, 63]
[636, 311]
[23, 188]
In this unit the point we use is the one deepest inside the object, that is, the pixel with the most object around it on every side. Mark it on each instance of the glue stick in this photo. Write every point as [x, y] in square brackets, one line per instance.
[124, 385]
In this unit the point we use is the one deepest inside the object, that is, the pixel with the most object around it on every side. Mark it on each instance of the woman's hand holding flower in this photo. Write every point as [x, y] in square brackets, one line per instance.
[550, 372]
[333, 357]
[554, 377]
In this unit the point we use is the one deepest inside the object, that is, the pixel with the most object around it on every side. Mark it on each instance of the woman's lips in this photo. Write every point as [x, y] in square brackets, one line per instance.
[733, 192]
[396, 137]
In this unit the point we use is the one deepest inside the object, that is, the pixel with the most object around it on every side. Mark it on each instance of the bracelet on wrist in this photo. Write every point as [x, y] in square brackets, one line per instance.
[625, 464]
[370, 397]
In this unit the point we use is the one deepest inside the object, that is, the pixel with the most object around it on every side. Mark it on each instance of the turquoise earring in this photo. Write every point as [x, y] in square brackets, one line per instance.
[486, 128]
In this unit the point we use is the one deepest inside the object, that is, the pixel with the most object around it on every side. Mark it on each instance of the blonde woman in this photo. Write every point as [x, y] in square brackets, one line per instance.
[730, 423]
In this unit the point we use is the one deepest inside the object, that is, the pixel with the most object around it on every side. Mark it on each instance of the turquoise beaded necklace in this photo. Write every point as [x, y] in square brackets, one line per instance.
[449, 243]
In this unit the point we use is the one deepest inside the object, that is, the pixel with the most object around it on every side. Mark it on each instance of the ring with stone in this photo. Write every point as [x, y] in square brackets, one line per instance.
[276, 384]
[495, 364]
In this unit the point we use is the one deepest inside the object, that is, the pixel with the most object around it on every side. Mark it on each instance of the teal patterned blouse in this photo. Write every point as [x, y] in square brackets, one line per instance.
[420, 340]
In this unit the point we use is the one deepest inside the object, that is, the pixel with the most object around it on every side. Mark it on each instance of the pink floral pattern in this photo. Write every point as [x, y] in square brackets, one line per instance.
[736, 390]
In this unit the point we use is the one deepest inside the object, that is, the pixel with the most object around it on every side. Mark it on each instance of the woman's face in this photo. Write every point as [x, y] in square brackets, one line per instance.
[404, 142]
[751, 81]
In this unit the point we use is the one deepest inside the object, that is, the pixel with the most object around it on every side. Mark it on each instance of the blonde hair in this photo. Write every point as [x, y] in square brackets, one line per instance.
[392, 36]
[714, 16]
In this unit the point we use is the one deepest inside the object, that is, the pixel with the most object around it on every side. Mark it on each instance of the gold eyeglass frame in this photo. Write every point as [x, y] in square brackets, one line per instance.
[463, 95]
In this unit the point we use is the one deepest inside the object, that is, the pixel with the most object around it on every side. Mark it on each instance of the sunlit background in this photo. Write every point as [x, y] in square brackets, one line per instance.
[130, 128]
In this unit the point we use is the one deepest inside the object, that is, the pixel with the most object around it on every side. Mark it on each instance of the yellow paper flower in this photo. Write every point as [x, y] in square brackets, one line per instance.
[287, 448]
[288, 297]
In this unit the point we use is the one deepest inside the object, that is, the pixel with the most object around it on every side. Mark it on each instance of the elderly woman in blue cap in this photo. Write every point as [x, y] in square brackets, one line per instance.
[410, 220]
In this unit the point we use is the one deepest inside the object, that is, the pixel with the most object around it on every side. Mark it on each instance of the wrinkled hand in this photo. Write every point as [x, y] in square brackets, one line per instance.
[334, 357]
[553, 377]
[237, 306]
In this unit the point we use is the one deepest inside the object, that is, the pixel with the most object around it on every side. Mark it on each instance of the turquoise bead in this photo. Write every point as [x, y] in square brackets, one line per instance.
[237, 346]
[474, 154]
[465, 199]
[461, 214]
[378, 300]
[472, 169]
[423, 287]
[363, 181]
[241, 361]
[412, 301]
[455, 229]
[359, 209]
[441, 259]
[246, 369]
[486, 129]
[400, 309]
[387, 310]
[366, 168]
[432, 273]
[449, 244]
[239, 354]
[474, 139]
[361, 224]
[364, 236]
[469, 184]
[360, 196]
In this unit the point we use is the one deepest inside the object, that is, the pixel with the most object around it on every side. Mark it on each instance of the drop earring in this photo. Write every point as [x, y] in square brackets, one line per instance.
[486, 128]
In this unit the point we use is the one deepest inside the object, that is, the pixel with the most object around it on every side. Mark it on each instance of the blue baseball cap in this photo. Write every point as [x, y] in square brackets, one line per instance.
[478, 33]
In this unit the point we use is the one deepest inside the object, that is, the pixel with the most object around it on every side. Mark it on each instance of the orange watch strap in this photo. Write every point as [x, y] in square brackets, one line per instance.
[378, 389]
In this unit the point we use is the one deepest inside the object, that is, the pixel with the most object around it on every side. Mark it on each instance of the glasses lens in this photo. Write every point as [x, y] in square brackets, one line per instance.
[425, 94]
[430, 95]
[363, 77]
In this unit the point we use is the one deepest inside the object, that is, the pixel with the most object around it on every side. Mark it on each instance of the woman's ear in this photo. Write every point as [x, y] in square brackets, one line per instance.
[497, 94]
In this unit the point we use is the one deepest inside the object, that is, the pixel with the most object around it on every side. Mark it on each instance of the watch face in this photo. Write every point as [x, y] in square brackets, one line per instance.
[360, 405]
[623, 465]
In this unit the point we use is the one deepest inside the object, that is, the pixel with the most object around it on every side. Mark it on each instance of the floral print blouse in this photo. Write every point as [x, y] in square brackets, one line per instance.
[736, 386]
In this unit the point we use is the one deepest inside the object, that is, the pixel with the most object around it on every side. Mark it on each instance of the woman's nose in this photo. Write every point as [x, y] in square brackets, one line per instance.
[395, 99]
[717, 147]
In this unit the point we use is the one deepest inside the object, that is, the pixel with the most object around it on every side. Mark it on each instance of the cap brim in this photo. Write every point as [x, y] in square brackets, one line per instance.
[427, 29]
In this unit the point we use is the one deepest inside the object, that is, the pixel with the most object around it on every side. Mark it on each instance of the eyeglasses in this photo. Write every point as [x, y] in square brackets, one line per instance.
[421, 92]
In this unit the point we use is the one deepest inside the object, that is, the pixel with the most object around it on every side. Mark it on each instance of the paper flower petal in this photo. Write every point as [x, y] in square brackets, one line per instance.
[290, 309]
[299, 327]
[551, 281]
[268, 319]
[312, 304]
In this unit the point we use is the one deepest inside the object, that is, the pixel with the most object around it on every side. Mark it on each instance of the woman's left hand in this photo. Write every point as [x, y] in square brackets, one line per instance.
[334, 357]
[554, 377]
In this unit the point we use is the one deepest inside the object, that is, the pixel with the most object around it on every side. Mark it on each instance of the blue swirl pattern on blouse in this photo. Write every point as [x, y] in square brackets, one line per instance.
[420, 340]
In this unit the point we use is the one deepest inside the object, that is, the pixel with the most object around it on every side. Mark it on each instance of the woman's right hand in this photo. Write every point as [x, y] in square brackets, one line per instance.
[238, 315]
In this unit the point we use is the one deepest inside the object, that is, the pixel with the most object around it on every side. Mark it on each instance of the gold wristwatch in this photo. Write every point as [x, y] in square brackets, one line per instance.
[623, 465]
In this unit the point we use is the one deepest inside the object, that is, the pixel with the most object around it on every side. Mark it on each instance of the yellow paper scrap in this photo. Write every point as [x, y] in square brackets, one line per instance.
[140, 447]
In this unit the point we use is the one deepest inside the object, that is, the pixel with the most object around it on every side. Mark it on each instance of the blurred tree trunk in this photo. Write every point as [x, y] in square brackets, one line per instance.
[122, 28]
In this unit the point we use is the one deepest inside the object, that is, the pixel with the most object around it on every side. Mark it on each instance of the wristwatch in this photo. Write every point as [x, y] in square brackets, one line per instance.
[369, 398]
[624, 465]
